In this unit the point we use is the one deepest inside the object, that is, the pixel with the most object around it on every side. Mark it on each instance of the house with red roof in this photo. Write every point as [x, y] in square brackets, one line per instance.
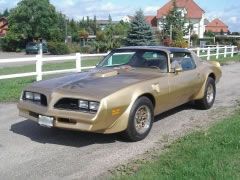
[194, 14]
[217, 26]
[3, 26]
[127, 19]
[152, 21]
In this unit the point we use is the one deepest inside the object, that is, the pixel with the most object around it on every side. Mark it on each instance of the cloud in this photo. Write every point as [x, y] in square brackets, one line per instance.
[101, 8]
[230, 16]
[151, 10]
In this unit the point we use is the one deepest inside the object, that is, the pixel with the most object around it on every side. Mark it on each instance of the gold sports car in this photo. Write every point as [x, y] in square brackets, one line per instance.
[124, 92]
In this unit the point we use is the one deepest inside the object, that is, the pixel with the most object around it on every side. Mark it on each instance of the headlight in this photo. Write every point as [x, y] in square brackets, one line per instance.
[28, 95]
[83, 104]
[32, 96]
[36, 97]
[93, 106]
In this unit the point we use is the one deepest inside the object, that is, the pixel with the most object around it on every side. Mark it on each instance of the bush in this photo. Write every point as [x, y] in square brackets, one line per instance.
[74, 48]
[195, 39]
[58, 48]
[181, 43]
[11, 43]
[167, 41]
[87, 50]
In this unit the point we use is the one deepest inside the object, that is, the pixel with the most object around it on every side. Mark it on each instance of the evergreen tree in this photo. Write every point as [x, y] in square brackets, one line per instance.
[140, 33]
[5, 13]
[110, 19]
[175, 22]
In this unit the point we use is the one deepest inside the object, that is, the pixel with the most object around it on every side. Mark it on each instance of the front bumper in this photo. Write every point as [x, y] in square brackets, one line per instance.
[101, 122]
[62, 118]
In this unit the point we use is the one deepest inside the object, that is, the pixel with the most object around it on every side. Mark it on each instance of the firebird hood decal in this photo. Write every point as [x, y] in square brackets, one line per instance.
[96, 83]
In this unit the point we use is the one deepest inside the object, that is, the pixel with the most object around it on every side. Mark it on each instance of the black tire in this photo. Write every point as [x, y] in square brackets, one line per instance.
[206, 103]
[131, 133]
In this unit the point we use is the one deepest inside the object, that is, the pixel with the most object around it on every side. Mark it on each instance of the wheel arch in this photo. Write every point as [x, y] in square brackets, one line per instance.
[212, 75]
[150, 97]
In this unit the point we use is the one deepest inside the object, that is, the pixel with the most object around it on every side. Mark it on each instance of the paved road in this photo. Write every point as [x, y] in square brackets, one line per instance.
[28, 151]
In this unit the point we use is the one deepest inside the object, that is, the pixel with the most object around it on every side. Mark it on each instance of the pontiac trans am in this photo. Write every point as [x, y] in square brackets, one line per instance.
[124, 92]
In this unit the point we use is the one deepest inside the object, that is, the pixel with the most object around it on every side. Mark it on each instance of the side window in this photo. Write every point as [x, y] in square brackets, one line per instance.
[156, 59]
[183, 60]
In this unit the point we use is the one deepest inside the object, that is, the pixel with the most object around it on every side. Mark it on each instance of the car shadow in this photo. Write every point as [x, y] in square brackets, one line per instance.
[45, 135]
[171, 112]
[32, 130]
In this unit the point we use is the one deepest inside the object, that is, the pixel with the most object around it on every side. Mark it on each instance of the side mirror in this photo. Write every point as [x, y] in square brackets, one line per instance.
[178, 70]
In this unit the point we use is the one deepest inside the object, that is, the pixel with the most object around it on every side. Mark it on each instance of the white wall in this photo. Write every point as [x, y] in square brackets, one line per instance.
[198, 26]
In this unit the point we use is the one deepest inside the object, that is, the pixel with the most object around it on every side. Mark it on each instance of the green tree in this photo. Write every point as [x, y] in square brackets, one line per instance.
[140, 33]
[34, 19]
[109, 18]
[209, 34]
[111, 37]
[5, 13]
[174, 23]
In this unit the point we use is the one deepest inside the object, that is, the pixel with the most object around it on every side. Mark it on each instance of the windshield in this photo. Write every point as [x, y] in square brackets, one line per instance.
[136, 58]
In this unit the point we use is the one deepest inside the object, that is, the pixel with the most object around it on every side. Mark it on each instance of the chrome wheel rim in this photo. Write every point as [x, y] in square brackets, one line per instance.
[142, 119]
[210, 94]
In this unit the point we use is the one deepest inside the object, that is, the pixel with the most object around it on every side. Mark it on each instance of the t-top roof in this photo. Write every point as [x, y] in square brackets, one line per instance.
[163, 48]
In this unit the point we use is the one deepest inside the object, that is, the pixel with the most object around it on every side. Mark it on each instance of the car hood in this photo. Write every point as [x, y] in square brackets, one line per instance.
[96, 83]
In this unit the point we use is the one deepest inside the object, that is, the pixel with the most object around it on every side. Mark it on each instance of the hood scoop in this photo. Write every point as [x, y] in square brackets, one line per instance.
[105, 74]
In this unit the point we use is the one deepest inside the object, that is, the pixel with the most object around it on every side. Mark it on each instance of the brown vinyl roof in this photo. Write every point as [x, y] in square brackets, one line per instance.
[193, 10]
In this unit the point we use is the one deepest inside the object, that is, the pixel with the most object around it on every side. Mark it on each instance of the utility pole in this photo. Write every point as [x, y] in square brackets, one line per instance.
[171, 34]
[66, 30]
[189, 37]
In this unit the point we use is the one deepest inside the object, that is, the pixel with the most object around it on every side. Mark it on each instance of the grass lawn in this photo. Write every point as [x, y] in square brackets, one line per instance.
[211, 154]
[10, 89]
[223, 61]
[47, 67]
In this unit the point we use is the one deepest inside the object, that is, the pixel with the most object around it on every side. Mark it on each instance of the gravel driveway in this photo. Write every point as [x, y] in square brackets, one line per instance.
[28, 151]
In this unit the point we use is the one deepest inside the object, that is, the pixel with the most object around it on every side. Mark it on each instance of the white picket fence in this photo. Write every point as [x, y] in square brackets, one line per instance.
[215, 51]
[39, 60]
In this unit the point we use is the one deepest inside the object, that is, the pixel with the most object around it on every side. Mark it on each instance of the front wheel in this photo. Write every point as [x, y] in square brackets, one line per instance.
[140, 120]
[209, 96]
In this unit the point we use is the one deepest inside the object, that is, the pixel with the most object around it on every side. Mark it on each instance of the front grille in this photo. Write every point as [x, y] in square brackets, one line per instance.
[68, 104]
[72, 105]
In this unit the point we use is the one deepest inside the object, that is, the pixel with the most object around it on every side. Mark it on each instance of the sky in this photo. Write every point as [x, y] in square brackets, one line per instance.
[226, 10]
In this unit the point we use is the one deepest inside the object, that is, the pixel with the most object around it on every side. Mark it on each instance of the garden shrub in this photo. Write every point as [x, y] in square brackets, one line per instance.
[58, 48]
[181, 43]
[74, 48]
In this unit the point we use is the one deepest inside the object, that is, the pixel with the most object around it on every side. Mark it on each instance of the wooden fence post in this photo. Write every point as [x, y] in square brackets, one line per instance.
[232, 54]
[208, 53]
[78, 62]
[39, 67]
[225, 51]
[198, 52]
[217, 53]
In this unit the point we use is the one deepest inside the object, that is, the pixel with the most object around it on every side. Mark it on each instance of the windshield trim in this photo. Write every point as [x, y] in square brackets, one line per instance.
[100, 65]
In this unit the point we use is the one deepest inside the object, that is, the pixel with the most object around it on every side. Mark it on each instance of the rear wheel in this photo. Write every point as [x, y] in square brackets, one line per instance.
[209, 96]
[140, 120]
